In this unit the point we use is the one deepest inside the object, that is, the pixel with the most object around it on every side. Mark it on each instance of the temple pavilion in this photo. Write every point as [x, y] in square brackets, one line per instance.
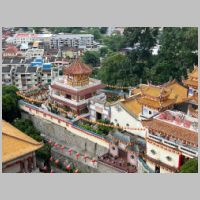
[192, 84]
[18, 150]
[75, 88]
[154, 99]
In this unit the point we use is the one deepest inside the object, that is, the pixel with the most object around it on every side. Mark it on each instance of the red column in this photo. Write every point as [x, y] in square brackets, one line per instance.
[179, 161]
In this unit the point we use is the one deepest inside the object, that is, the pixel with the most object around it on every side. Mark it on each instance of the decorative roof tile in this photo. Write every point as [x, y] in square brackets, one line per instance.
[15, 143]
[77, 68]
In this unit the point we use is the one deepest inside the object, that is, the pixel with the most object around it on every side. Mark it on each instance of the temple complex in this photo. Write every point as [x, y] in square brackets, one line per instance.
[74, 89]
[171, 140]
[18, 150]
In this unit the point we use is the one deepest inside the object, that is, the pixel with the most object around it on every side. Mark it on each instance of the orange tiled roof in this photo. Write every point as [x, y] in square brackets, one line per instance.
[171, 130]
[132, 106]
[192, 78]
[156, 104]
[154, 91]
[77, 68]
[161, 96]
[11, 49]
[177, 90]
[15, 143]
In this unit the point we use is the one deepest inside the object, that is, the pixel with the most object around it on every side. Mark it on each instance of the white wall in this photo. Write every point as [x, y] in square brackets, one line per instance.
[145, 112]
[115, 151]
[161, 155]
[123, 118]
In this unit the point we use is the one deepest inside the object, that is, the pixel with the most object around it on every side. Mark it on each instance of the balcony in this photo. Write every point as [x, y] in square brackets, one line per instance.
[174, 144]
[118, 163]
[74, 102]
[60, 82]
[161, 164]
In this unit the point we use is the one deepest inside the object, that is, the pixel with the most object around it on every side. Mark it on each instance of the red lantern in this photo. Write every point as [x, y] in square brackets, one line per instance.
[70, 151]
[68, 167]
[77, 155]
[76, 171]
[62, 147]
[51, 159]
[93, 161]
[85, 157]
[56, 161]
[55, 145]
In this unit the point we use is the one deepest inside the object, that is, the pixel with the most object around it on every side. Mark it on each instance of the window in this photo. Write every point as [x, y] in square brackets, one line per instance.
[127, 124]
[153, 151]
[150, 112]
[115, 120]
[168, 158]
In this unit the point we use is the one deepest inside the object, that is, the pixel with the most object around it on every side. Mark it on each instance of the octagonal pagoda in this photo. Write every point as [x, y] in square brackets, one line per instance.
[75, 88]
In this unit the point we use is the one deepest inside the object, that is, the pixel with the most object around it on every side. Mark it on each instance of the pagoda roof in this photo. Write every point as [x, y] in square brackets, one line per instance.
[154, 91]
[15, 143]
[156, 104]
[192, 78]
[161, 96]
[77, 68]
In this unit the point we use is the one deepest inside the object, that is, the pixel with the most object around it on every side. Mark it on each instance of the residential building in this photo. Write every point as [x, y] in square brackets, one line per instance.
[72, 40]
[7, 75]
[27, 77]
[46, 75]
[20, 38]
[18, 150]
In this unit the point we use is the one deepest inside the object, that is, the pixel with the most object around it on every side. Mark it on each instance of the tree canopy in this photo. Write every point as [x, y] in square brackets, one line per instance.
[191, 166]
[92, 58]
[27, 127]
[10, 108]
[177, 52]
[117, 70]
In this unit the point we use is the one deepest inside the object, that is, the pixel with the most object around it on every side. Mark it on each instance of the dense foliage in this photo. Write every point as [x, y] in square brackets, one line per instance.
[177, 52]
[98, 129]
[27, 127]
[10, 108]
[116, 69]
[191, 166]
[92, 58]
